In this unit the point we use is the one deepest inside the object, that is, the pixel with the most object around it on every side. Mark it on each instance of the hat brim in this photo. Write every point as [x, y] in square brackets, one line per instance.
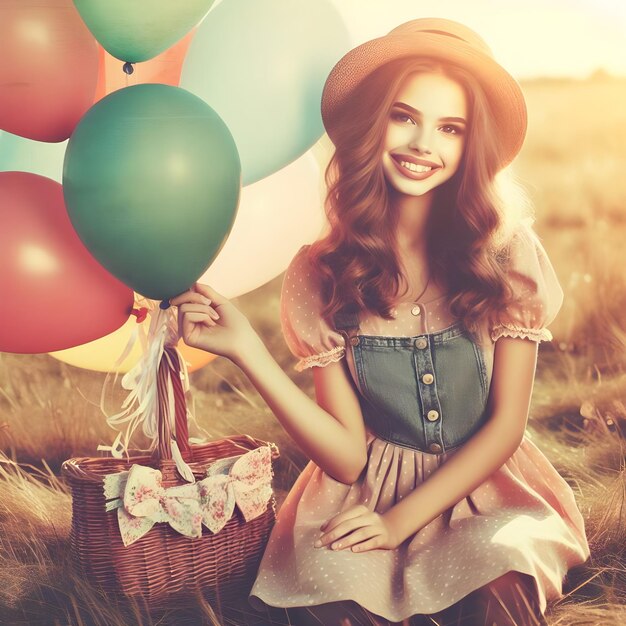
[502, 90]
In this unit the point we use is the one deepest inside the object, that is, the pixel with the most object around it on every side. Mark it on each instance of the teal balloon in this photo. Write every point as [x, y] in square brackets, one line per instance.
[27, 155]
[262, 65]
[138, 30]
[151, 181]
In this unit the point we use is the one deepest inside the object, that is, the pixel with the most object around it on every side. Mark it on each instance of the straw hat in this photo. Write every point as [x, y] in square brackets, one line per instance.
[439, 39]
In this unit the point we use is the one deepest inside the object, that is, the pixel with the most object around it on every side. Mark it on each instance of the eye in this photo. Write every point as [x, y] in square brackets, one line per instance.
[451, 129]
[401, 117]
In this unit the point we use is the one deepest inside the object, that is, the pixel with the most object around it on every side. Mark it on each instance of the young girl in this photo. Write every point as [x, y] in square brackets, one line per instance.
[420, 314]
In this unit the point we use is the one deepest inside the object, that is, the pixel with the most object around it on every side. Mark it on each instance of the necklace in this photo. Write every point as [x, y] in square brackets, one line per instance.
[414, 301]
[423, 290]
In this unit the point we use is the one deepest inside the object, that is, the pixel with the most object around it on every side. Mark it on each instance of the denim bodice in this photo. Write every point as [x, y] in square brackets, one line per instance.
[427, 392]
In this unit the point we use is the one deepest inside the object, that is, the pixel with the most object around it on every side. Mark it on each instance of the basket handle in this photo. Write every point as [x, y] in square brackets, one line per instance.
[163, 449]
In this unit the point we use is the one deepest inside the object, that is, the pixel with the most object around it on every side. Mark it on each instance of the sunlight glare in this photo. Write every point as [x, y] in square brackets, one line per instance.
[37, 260]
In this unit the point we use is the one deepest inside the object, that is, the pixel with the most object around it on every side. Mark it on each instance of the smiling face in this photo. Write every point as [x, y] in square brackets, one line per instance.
[425, 134]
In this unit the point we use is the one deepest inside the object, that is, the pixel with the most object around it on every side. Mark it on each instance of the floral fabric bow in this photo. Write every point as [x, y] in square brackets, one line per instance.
[141, 500]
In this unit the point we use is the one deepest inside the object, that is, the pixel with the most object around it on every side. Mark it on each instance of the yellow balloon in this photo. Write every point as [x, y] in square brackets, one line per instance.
[100, 355]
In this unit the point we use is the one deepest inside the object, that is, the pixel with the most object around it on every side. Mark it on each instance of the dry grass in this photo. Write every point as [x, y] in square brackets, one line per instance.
[573, 159]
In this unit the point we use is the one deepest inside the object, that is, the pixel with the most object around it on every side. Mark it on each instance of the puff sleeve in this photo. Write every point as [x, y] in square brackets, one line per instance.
[309, 337]
[538, 294]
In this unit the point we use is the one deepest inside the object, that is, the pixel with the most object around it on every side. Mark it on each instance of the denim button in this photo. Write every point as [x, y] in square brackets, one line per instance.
[416, 310]
[435, 447]
[421, 343]
[433, 415]
[354, 341]
[428, 378]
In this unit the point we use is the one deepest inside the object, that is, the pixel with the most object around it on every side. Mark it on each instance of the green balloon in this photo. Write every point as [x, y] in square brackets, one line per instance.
[139, 30]
[151, 180]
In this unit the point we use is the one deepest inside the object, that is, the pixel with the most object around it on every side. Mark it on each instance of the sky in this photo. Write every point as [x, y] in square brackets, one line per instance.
[531, 38]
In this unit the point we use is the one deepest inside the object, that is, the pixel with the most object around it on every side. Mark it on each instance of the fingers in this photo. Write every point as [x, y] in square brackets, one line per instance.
[198, 308]
[189, 296]
[200, 293]
[355, 511]
[337, 536]
[194, 318]
[190, 320]
[209, 292]
[357, 537]
[370, 544]
[192, 314]
[359, 534]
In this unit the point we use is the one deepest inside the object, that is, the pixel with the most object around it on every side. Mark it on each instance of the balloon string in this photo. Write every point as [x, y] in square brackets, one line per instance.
[140, 404]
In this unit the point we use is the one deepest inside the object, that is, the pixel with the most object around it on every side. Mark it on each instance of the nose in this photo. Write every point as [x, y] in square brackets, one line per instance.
[420, 141]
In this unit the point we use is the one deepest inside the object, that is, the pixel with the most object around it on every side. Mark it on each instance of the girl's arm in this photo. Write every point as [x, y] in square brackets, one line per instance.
[518, 330]
[331, 433]
[509, 402]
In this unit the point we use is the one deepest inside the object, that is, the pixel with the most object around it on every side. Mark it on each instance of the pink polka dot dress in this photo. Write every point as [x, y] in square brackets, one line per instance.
[523, 517]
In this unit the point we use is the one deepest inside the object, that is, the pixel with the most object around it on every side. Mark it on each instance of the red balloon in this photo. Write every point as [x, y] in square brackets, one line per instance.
[53, 293]
[49, 68]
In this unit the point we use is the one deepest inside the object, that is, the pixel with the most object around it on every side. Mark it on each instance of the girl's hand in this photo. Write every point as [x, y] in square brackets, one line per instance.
[207, 320]
[360, 528]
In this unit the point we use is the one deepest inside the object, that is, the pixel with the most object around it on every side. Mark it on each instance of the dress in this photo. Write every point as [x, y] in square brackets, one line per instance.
[423, 385]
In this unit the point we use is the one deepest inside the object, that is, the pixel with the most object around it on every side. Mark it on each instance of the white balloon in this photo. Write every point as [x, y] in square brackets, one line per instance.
[276, 216]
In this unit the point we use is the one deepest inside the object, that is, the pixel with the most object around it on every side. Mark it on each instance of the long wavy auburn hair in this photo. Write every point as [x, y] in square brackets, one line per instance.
[468, 228]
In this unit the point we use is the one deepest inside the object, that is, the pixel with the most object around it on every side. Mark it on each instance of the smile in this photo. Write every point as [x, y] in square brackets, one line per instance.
[414, 171]
[415, 168]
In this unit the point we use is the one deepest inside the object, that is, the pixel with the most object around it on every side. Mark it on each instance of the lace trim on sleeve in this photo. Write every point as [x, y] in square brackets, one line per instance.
[321, 360]
[510, 330]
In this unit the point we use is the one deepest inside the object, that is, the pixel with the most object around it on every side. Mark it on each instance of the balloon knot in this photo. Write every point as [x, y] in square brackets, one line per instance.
[141, 314]
[128, 68]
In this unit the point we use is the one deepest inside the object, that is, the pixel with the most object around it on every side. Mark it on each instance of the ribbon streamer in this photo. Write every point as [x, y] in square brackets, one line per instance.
[141, 500]
[141, 404]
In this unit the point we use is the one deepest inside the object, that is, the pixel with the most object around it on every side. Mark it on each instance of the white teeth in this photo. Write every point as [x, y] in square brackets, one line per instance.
[415, 168]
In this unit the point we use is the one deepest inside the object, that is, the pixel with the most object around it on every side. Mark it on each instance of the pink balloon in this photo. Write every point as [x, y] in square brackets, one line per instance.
[49, 68]
[53, 293]
[276, 216]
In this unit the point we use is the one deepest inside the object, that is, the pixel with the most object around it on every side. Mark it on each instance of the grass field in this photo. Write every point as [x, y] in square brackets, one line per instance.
[573, 164]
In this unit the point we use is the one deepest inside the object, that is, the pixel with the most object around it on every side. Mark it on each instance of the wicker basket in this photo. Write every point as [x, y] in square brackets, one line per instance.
[164, 567]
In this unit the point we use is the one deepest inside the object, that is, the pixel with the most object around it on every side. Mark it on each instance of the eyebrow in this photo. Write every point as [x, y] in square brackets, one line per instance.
[410, 109]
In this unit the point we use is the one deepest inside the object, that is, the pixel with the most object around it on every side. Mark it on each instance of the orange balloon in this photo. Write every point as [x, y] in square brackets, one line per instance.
[195, 358]
[165, 68]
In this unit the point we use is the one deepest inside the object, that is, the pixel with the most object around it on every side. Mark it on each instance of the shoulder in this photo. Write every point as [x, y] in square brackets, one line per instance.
[521, 240]
[301, 282]
[525, 259]
[300, 266]
[307, 333]
[537, 294]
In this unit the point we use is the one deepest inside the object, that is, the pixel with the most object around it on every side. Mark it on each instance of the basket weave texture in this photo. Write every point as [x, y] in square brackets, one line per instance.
[164, 567]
